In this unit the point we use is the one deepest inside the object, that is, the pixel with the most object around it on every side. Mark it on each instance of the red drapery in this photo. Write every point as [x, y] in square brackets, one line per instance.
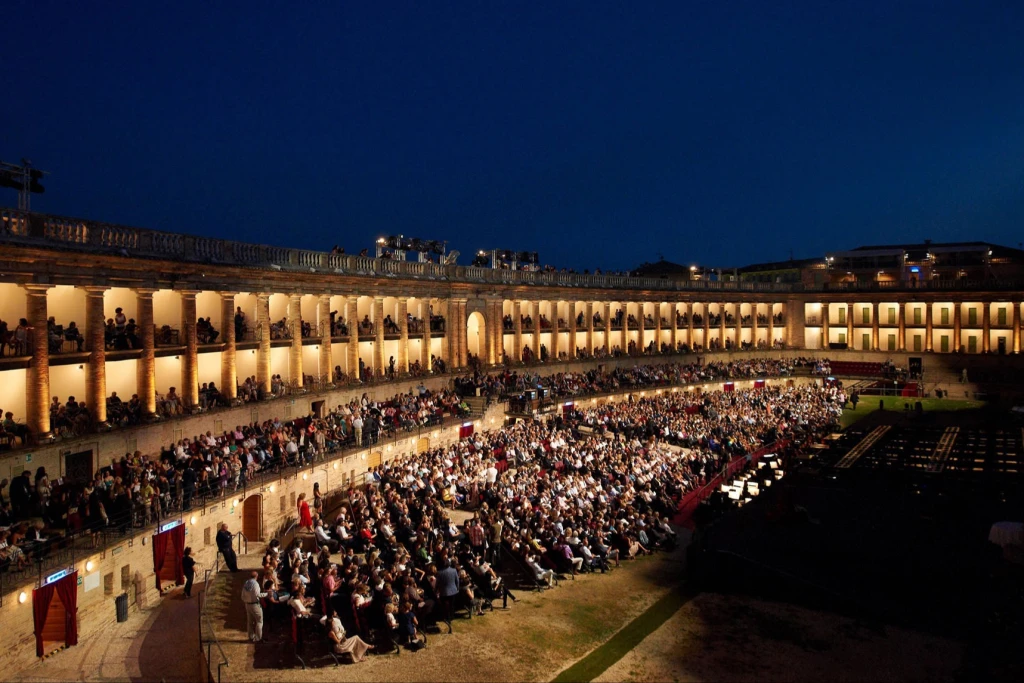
[160, 542]
[759, 384]
[178, 539]
[67, 589]
[465, 430]
[41, 598]
[728, 386]
[172, 540]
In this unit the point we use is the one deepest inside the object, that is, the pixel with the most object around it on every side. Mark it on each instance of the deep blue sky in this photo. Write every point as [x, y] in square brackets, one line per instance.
[597, 134]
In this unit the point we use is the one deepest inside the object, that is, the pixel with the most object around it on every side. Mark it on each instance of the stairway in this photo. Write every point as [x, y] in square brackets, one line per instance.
[477, 405]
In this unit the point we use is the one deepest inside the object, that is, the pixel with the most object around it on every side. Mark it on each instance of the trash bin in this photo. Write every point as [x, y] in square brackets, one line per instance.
[121, 602]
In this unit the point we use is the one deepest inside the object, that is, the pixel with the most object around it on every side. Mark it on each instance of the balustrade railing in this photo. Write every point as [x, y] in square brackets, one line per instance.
[42, 229]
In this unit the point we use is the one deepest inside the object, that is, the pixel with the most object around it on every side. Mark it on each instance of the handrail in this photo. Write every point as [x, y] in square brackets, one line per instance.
[204, 620]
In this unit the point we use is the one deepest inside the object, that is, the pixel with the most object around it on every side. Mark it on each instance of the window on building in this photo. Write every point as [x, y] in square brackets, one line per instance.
[842, 315]
[944, 316]
[865, 316]
[917, 316]
[892, 315]
[1001, 316]
[972, 317]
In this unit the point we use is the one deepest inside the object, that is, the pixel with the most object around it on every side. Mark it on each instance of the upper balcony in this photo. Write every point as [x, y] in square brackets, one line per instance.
[44, 230]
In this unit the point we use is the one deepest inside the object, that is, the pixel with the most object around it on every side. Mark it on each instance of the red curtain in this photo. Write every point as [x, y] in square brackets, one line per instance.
[178, 539]
[160, 553]
[465, 430]
[728, 386]
[67, 589]
[41, 598]
[759, 384]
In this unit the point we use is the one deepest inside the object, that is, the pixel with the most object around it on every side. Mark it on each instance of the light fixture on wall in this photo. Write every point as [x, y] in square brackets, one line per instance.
[89, 566]
[192, 520]
[81, 367]
[22, 597]
[177, 357]
[335, 465]
[305, 476]
[271, 488]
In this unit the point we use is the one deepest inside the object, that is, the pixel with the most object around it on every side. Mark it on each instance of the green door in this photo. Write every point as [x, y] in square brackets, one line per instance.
[944, 343]
[892, 342]
[917, 316]
[944, 316]
[972, 344]
[917, 342]
[1002, 316]
[972, 317]
[865, 342]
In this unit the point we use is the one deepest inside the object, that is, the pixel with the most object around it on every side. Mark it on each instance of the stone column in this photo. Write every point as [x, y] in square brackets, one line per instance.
[824, 324]
[495, 332]
[739, 324]
[190, 366]
[323, 310]
[674, 338]
[295, 350]
[928, 327]
[771, 325]
[986, 325]
[536, 329]
[875, 342]
[446, 341]
[641, 329]
[352, 319]
[901, 335]
[589, 313]
[657, 326]
[608, 327]
[754, 327]
[553, 307]
[146, 367]
[96, 377]
[849, 326]
[721, 324]
[689, 324]
[517, 326]
[229, 356]
[379, 362]
[957, 306]
[263, 353]
[707, 326]
[37, 399]
[624, 332]
[571, 351]
[403, 330]
[1016, 326]
[425, 342]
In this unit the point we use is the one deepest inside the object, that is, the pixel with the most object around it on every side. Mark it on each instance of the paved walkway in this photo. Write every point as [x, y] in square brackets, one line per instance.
[160, 643]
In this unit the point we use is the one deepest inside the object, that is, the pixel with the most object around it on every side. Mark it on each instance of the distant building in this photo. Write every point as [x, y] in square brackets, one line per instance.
[925, 262]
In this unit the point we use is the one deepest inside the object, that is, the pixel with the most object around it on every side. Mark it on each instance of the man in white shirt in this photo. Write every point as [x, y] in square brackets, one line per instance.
[251, 595]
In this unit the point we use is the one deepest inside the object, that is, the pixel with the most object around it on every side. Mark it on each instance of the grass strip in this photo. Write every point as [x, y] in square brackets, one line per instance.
[629, 636]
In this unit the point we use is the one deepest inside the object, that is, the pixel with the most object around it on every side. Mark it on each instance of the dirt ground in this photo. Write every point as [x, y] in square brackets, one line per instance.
[717, 637]
[531, 641]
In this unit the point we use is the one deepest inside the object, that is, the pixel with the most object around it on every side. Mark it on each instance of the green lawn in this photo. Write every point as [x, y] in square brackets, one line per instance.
[869, 404]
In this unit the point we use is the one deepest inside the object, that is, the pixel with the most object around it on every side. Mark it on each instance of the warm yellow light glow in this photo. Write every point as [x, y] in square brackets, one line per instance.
[89, 566]
[192, 520]
[22, 597]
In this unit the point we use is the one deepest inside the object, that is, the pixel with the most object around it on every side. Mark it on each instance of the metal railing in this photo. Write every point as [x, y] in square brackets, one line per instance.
[62, 551]
[207, 632]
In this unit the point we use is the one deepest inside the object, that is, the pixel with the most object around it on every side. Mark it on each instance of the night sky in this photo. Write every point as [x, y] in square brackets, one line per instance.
[597, 134]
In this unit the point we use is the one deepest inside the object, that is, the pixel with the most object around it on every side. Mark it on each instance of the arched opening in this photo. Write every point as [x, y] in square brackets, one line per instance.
[252, 517]
[476, 342]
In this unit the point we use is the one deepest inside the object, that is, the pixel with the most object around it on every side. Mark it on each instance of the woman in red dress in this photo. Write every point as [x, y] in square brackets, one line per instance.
[305, 519]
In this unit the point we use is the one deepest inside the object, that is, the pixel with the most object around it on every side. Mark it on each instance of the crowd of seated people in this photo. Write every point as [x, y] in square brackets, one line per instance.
[547, 498]
[599, 380]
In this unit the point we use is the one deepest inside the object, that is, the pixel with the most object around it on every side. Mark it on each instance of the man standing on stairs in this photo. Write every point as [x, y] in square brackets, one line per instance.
[224, 538]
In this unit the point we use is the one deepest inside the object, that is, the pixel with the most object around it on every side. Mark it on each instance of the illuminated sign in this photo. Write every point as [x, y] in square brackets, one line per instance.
[58, 576]
[169, 526]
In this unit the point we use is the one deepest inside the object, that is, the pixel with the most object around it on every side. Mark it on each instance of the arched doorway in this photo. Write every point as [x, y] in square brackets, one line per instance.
[476, 340]
[252, 517]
